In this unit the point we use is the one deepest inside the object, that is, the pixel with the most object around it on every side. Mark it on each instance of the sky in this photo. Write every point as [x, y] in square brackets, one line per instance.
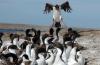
[85, 13]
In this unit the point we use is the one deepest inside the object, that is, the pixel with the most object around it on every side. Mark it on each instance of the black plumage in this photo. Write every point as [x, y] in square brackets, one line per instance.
[66, 7]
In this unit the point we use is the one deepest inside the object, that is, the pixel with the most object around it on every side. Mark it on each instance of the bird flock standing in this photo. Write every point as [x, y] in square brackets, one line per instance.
[41, 48]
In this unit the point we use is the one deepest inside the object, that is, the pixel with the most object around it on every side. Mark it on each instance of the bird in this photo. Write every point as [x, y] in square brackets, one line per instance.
[48, 41]
[57, 18]
[72, 57]
[58, 57]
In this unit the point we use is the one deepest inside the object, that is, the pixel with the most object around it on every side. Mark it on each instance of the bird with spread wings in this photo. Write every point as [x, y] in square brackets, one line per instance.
[57, 18]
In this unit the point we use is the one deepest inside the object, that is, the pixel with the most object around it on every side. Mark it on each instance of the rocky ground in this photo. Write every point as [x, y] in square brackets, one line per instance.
[91, 42]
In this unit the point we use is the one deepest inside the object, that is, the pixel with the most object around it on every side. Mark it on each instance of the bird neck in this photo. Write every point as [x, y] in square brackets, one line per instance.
[41, 41]
[46, 40]
[33, 54]
[56, 13]
[15, 41]
[28, 50]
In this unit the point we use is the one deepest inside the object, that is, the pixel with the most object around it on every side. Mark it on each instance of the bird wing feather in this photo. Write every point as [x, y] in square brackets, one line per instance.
[48, 8]
[66, 7]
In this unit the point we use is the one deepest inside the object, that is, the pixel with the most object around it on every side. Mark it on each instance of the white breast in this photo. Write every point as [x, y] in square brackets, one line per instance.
[56, 14]
[68, 50]
[28, 50]
[72, 60]
[58, 60]
[64, 56]
[33, 57]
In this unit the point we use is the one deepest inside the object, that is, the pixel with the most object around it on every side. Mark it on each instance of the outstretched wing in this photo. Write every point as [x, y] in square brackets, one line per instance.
[48, 8]
[66, 7]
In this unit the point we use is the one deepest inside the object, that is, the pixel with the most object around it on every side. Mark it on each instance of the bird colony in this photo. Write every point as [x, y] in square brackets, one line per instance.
[41, 48]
